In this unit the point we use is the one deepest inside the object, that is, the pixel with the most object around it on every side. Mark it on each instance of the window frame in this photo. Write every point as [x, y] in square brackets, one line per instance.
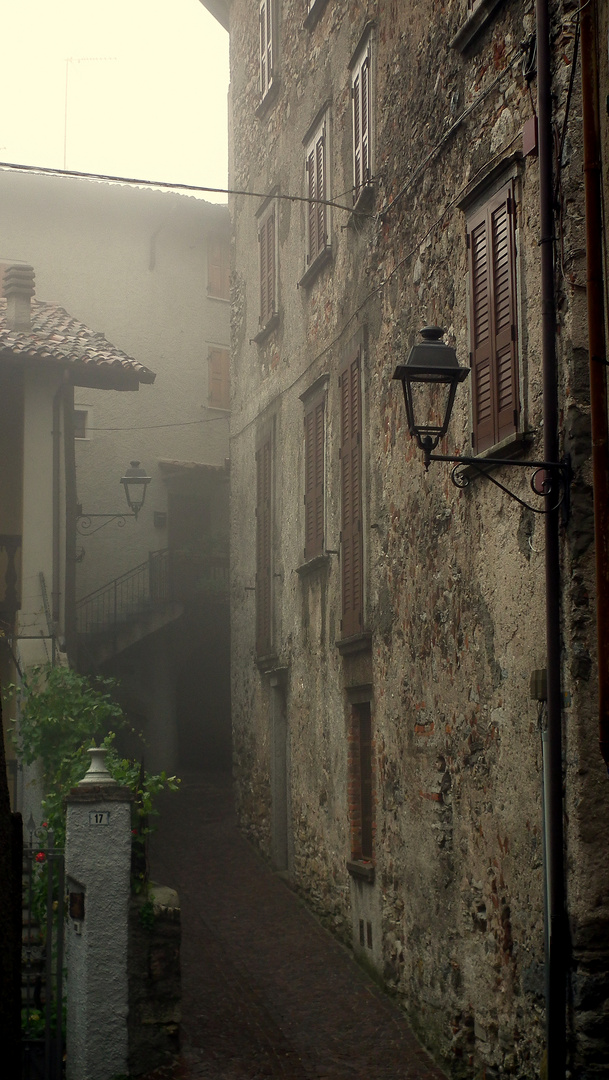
[268, 316]
[315, 465]
[84, 411]
[218, 355]
[351, 496]
[362, 825]
[267, 19]
[318, 223]
[361, 95]
[215, 243]
[496, 391]
[264, 542]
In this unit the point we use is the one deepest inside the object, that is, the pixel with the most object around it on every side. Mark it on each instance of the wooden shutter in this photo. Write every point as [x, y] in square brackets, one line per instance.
[219, 379]
[316, 190]
[351, 499]
[361, 124]
[314, 425]
[266, 46]
[218, 268]
[493, 321]
[263, 547]
[266, 240]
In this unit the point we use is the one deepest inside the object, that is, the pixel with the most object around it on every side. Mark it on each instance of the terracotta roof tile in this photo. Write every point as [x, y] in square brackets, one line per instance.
[57, 338]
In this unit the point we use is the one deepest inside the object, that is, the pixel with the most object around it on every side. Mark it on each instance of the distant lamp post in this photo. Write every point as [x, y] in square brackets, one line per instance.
[135, 483]
[429, 379]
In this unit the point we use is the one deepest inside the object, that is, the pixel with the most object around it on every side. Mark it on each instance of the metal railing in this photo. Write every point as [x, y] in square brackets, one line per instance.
[165, 576]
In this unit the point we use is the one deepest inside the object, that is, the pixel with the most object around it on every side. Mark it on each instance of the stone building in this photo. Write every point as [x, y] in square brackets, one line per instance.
[149, 269]
[392, 632]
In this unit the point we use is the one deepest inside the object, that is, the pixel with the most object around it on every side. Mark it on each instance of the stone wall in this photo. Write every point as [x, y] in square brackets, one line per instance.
[453, 913]
[154, 980]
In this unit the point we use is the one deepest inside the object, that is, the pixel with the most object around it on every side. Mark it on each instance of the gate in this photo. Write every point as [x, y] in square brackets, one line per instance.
[42, 1039]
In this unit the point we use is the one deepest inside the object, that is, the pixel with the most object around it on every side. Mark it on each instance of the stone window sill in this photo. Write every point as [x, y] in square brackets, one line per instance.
[316, 267]
[355, 644]
[363, 204]
[513, 446]
[268, 100]
[362, 869]
[311, 566]
[268, 662]
[267, 329]
[474, 24]
[314, 14]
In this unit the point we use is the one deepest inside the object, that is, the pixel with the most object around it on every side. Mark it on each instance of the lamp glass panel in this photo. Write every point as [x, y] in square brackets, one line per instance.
[430, 401]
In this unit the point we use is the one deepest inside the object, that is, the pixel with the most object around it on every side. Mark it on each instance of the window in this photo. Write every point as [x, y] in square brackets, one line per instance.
[313, 11]
[361, 111]
[314, 439]
[317, 192]
[218, 367]
[351, 498]
[80, 423]
[267, 45]
[361, 808]
[493, 323]
[267, 246]
[218, 268]
[264, 578]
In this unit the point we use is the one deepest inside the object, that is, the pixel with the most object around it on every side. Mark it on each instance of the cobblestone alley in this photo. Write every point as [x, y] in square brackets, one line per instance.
[267, 992]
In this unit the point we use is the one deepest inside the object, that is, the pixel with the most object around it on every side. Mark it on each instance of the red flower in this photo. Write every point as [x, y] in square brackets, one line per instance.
[134, 832]
[40, 856]
[45, 825]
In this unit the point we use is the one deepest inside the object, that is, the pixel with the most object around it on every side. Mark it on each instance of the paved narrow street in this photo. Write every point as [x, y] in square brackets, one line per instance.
[267, 992]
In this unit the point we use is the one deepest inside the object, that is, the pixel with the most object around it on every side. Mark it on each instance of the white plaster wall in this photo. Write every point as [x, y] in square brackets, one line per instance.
[98, 859]
[37, 543]
[132, 264]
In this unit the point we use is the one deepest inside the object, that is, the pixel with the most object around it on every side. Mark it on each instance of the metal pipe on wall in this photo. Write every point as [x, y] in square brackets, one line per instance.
[597, 349]
[556, 932]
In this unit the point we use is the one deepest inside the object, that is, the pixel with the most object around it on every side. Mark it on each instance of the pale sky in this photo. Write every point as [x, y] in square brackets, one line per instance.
[146, 89]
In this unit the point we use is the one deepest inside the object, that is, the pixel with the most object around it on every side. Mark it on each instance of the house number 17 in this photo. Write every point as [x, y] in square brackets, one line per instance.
[99, 817]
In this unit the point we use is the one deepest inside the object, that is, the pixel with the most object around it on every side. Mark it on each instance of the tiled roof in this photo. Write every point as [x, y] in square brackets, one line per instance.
[57, 338]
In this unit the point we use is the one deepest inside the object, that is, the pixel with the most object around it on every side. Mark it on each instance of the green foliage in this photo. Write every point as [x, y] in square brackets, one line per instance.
[146, 915]
[62, 715]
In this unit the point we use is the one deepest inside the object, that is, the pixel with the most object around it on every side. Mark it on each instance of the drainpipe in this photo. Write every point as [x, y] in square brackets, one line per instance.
[56, 582]
[70, 510]
[556, 923]
[597, 350]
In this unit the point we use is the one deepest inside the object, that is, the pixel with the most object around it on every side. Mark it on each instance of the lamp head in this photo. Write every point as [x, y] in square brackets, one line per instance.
[429, 379]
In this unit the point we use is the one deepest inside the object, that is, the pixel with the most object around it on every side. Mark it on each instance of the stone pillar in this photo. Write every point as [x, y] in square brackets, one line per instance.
[98, 866]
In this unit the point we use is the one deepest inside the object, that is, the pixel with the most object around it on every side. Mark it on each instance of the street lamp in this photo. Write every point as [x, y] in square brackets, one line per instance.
[135, 482]
[429, 379]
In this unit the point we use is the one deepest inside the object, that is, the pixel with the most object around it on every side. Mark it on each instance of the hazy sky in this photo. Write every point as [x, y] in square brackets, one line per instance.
[147, 84]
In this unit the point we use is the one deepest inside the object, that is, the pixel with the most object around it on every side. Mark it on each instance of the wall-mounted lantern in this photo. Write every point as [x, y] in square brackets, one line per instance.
[135, 483]
[429, 379]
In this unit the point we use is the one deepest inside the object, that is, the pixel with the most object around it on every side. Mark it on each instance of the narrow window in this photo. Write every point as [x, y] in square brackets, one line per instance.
[361, 809]
[361, 111]
[266, 46]
[263, 547]
[80, 423]
[317, 193]
[218, 365]
[218, 268]
[493, 321]
[352, 568]
[314, 435]
[267, 244]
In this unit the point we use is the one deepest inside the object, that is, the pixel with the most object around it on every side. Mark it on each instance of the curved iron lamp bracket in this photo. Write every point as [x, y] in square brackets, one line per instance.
[550, 480]
[84, 522]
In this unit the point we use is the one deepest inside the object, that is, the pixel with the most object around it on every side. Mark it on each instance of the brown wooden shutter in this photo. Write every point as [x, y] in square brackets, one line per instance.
[314, 422]
[351, 499]
[266, 240]
[218, 268]
[357, 135]
[263, 547]
[493, 321]
[219, 379]
[320, 153]
[361, 125]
